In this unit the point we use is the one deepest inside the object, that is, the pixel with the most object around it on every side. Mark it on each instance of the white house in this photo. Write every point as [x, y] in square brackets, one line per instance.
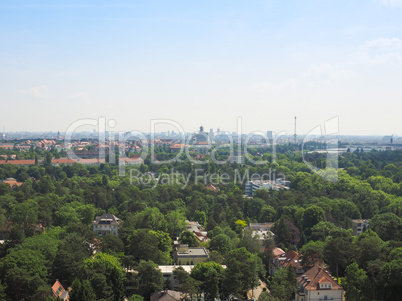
[318, 284]
[106, 224]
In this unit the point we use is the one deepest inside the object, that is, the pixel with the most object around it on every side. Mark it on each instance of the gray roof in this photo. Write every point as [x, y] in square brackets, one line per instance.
[193, 252]
[106, 219]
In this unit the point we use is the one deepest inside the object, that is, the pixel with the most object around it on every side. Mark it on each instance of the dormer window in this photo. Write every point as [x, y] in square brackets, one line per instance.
[325, 285]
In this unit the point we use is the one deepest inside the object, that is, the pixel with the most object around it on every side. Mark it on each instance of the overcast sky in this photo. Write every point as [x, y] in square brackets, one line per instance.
[202, 63]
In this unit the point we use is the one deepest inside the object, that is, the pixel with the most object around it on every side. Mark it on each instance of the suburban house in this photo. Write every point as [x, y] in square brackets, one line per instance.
[59, 291]
[12, 182]
[277, 251]
[211, 187]
[130, 161]
[63, 161]
[261, 230]
[360, 225]
[185, 255]
[167, 295]
[252, 186]
[18, 162]
[318, 284]
[290, 258]
[106, 224]
[197, 230]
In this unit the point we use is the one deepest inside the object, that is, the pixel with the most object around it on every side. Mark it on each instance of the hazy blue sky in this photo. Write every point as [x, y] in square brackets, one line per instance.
[202, 62]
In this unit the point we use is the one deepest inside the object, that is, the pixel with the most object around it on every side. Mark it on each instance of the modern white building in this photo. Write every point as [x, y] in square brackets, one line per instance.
[252, 186]
[185, 255]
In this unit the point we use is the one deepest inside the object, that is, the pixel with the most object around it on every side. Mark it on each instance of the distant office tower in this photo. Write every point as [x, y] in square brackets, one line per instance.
[211, 133]
[270, 137]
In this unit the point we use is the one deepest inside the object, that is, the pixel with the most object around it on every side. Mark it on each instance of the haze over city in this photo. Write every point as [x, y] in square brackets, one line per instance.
[202, 62]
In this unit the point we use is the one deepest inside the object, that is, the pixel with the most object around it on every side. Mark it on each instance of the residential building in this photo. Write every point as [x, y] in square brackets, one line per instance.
[177, 147]
[211, 187]
[91, 161]
[318, 284]
[59, 291]
[261, 230]
[290, 258]
[63, 161]
[237, 158]
[197, 230]
[170, 280]
[360, 225]
[106, 224]
[261, 226]
[18, 162]
[277, 251]
[167, 295]
[252, 186]
[12, 182]
[130, 161]
[185, 255]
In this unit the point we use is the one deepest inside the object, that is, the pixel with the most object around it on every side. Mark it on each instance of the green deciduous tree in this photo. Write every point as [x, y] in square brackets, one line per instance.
[210, 275]
[23, 272]
[145, 244]
[390, 280]
[187, 237]
[284, 283]
[110, 268]
[221, 243]
[242, 272]
[82, 291]
[312, 252]
[356, 283]
[149, 279]
[339, 251]
[187, 284]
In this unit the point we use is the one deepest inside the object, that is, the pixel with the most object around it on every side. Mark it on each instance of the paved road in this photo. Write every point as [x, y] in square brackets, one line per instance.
[256, 292]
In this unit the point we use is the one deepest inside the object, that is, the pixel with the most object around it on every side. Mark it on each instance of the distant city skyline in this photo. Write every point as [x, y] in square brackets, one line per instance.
[202, 63]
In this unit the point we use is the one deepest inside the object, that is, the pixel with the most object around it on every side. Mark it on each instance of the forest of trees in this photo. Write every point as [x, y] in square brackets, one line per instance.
[314, 217]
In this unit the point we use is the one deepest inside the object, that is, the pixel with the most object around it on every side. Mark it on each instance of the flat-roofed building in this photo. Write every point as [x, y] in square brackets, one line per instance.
[185, 255]
[252, 186]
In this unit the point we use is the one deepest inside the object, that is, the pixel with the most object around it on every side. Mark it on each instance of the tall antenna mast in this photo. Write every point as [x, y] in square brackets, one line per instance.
[295, 136]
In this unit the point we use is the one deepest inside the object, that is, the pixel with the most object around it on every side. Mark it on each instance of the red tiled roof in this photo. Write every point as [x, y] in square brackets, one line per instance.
[277, 251]
[316, 275]
[59, 291]
[18, 162]
[13, 183]
[177, 145]
[63, 161]
[130, 159]
[90, 161]
[211, 187]
[291, 259]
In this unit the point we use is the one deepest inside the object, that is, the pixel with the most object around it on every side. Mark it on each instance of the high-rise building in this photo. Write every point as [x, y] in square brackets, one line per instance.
[270, 137]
